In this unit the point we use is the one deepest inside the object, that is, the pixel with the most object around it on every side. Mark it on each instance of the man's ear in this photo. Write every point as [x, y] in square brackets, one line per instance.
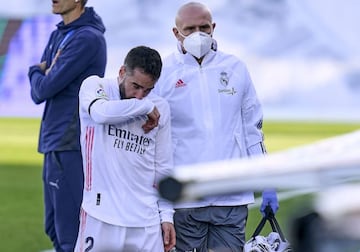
[122, 72]
[176, 33]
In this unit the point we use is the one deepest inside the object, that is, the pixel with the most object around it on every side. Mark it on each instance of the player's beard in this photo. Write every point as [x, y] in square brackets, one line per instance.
[122, 90]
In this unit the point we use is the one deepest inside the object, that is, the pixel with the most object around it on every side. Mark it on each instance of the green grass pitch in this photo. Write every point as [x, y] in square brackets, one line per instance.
[21, 206]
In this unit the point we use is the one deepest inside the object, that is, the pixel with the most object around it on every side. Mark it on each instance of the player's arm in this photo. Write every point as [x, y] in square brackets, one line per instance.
[110, 111]
[163, 168]
[164, 159]
[94, 99]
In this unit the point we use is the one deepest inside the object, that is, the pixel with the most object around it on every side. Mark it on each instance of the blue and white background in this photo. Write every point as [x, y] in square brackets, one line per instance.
[303, 55]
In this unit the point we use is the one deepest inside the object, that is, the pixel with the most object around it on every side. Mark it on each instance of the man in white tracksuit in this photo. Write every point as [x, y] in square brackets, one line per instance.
[216, 115]
[126, 148]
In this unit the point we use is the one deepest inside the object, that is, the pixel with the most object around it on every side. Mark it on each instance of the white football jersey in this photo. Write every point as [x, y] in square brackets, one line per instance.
[121, 163]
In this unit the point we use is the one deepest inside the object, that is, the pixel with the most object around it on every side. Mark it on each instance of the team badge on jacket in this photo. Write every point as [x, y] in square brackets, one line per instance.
[224, 81]
[100, 92]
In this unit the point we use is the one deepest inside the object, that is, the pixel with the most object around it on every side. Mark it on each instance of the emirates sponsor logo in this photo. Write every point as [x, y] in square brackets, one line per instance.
[128, 141]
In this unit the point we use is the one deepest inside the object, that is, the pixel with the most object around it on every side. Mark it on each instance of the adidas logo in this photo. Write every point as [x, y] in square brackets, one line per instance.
[180, 83]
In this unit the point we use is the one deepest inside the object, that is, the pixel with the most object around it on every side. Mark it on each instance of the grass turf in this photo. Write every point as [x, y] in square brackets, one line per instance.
[21, 209]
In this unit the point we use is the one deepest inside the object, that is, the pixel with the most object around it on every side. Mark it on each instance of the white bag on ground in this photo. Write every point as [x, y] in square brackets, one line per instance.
[274, 242]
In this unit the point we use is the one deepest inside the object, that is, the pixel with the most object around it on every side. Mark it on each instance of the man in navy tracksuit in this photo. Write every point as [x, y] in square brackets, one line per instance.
[76, 50]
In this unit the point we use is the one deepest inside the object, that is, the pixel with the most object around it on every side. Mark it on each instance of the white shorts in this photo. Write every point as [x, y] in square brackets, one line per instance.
[97, 236]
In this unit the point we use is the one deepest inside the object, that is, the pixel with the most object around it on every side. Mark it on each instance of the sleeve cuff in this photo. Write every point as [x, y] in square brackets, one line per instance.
[167, 216]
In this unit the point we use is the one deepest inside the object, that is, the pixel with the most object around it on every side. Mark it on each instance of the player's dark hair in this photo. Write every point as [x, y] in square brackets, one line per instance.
[146, 59]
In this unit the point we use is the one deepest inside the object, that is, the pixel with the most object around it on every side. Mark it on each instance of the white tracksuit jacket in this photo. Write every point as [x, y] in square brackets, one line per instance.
[215, 114]
[122, 164]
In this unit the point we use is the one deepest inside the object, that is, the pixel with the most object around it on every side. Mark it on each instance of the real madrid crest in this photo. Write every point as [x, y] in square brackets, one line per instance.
[224, 79]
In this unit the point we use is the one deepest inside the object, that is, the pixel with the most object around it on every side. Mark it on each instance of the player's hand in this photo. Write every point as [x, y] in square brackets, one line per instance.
[169, 236]
[152, 121]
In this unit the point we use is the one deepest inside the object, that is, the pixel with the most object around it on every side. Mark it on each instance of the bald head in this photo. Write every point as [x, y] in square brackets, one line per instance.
[190, 11]
[192, 17]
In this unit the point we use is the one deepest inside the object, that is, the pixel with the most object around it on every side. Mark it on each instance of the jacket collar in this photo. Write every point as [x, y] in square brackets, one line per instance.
[188, 59]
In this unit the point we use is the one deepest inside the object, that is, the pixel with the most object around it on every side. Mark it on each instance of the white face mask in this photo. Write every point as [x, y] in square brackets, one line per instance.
[197, 43]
